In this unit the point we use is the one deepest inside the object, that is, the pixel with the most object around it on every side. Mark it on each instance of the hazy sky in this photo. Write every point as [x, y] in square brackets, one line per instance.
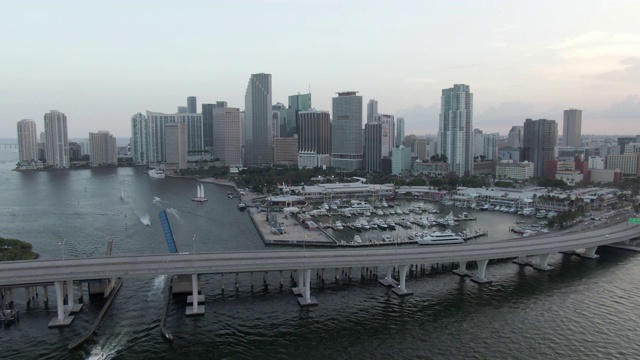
[101, 62]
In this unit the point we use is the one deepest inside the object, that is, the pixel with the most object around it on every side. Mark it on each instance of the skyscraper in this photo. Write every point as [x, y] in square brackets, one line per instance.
[372, 146]
[102, 149]
[27, 141]
[388, 133]
[572, 128]
[192, 105]
[538, 143]
[258, 120]
[346, 131]
[207, 125]
[195, 138]
[455, 135]
[157, 122]
[227, 145]
[372, 110]
[399, 131]
[175, 145]
[57, 140]
[514, 138]
[140, 139]
[314, 138]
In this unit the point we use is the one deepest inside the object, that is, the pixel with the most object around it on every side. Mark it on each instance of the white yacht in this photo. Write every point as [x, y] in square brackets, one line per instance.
[440, 238]
[357, 239]
[156, 173]
[97, 354]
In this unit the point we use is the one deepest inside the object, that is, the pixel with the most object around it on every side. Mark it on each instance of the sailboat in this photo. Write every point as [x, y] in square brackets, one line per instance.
[199, 194]
[121, 194]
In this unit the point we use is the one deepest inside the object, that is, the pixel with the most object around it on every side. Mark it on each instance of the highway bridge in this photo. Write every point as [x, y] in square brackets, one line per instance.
[25, 273]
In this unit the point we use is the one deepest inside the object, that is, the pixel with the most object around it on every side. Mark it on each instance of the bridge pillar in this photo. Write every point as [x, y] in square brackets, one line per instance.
[46, 296]
[544, 263]
[521, 260]
[480, 277]
[307, 299]
[388, 278]
[195, 299]
[222, 282]
[401, 290]
[299, 291]
[72, 307]
[462, 269]
[590, 253]
[10, 298]
[62, 319]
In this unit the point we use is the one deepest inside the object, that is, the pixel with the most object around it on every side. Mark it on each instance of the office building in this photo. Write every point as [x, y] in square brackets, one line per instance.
[399, 131]
[192, 105]
[258, 121]
[509, 169]
[388, 133]
[400, 160]
[102, 149]
[538, 143]
[175, 145]
[182, 110]
[227, 136]
[57, 140]
[514, 139]
[346, 143]
[285, 150]
[372, 146]
[27, 141]
[629, 164]
[140, 139]
[207, 123]
[372, 110]
[572, 128]
[314, 138]
[455, 135]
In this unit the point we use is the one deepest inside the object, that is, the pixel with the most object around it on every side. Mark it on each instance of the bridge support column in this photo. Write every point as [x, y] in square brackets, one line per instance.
[80, 293]
[462, 269]
[10, 298]
[27, 292]
[299, 290]
[544, 263]
[222, 282]
[307, 299]
[590, 253]
[46, 296]
[480, 277]
[72, 307]
[195, 298]
[388, 278]
[521, 260]
[401, 290]
[63, 319]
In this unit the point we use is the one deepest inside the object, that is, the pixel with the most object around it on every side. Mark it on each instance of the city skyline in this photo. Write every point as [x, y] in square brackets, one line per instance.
[106, 73]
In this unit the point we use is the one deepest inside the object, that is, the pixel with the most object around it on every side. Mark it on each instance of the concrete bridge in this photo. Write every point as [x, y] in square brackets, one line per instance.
[539, 248]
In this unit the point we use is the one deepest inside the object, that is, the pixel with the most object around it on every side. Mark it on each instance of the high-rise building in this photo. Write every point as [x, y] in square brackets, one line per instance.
[388, 133]
[175, 145]
[372, 146]
[572, 128]
[192, 105]
[207, 122]
[300, 102]
[182, 110]
[400, 160]
[455, 139]
[346, 132]
[227, 144]
[102, 149]
[538, 144]
[195, 138]
[140, 139]
[258, 120]
[57, 140]
[157, 122]
[490, 146]
[27, 141]
[314, 138]
[372, 110]
[285, 150]
[399, 131]
[514, 138]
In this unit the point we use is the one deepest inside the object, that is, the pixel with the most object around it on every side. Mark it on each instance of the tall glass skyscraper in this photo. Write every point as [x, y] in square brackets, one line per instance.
[538, 144]
[57, 139]
[140, 139]
[455, 135]
[258, 121]
[572, 128]
[346, 132]
[399, 131]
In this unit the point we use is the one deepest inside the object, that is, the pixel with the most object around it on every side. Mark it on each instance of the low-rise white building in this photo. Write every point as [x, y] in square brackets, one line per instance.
[514, 170]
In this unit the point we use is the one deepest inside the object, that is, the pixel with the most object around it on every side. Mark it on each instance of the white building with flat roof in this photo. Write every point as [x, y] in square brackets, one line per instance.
[509, 169]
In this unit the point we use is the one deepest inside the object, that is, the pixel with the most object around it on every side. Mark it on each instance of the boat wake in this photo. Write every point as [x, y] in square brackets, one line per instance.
[157, 288]
[175, 213]
[156, 201]
[144, 219]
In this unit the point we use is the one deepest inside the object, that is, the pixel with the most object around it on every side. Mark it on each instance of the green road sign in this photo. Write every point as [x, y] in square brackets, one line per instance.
[634, 220]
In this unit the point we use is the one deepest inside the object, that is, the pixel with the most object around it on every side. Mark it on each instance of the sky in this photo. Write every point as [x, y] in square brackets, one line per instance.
[102, 62]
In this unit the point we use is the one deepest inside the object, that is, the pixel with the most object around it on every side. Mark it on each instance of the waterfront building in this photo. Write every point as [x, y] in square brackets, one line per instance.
[258, 121]
[514, 138]
[195, 138]
[227, 134]
[75, 151]
[372, 146]
[140, 139]
[102, 149]
[400, 160]
[207, 123]
[430, 169]
[175, 144]
[399, 131]
[372, 110]
[157, 121]
[346, 143]
[455, 139]
[57, 140]
[285, 150]
[572, 128]
[539, 141]
[27, 141]
[509, 169]
[629, 164]
[314, 138]
[192, 105]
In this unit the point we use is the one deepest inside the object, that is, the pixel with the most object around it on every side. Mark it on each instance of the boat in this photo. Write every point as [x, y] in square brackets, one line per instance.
[357, 239]
[200, 194]
[440, 238]
[387, 238]
[156, 173]
[97, 354]
[242, 206]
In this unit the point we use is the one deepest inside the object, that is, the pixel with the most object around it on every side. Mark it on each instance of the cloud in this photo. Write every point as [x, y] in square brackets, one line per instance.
[420, 80]
[598, 44]
[420, 120]
[630, 72]
[502, 117]
[627, 108]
